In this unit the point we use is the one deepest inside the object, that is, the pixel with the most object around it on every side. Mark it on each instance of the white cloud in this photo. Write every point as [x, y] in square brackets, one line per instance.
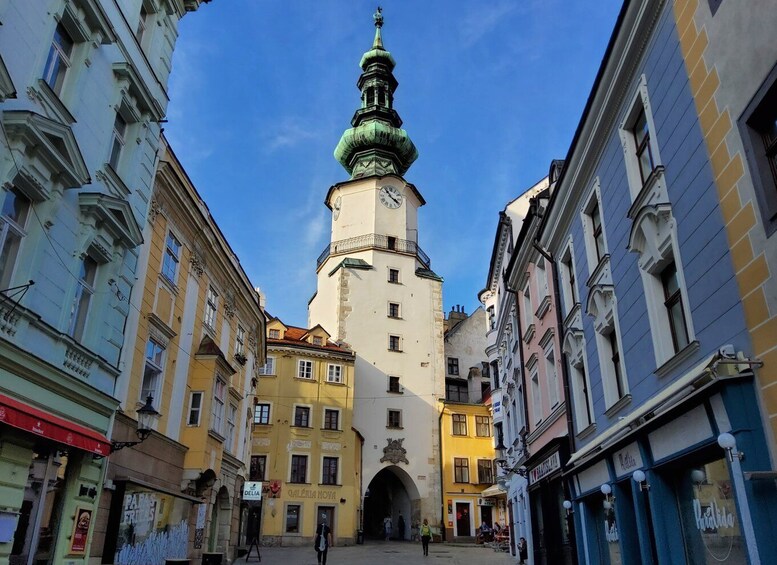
[482, 20]
[291, 132]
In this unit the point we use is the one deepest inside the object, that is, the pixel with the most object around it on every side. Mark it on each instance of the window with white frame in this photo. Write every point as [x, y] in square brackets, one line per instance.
[393, 275]
[240, 341]
[393, 384]
[269, 367]
[59, 59]
[551, 374]
[172, 258]
[217, 409]
[144, 20]
[83, 297]
[568, 280]
[393, 310]
[536, 394]
[482, 426]
[673, 303]
[318, 340]
[574, 350]
[195, 408]
[329, 469]
[304, 369]
[152, 373]
[118, 140]
[262, 413]
[231, 419]
[274, 334]
[334, 373]
[597, 233]
[211, 302]
[13, 220]
[491, 318]
[541, 277]
[528, 310]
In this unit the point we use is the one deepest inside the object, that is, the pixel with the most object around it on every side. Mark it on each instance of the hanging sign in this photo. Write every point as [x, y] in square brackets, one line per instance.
[252, 491]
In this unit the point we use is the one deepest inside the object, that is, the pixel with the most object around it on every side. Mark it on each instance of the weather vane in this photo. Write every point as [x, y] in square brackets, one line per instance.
[378, 17]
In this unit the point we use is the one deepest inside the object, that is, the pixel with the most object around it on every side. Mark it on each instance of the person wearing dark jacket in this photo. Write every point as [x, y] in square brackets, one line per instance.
[323, 540]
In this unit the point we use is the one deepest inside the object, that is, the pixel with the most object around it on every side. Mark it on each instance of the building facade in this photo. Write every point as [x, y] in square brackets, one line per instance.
[654, 322]
[82, 92]
[196, 345]
[377, 294]
[305, 449]
[735, 103]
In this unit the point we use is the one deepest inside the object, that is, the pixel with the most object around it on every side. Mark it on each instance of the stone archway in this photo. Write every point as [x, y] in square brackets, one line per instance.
[221, 521]
[391, 492]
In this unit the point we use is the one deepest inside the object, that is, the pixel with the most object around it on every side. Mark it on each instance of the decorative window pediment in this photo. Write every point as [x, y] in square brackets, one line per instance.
[601, 305]
[651, 236]
[573, 347]
[136, 97]
[85, 20]
[55, 146]
[7, 89]
[114, 215]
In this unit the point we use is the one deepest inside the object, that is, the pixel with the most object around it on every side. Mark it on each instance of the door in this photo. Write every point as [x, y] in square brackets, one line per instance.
[486, 516]
[462, 519]
[329, 512]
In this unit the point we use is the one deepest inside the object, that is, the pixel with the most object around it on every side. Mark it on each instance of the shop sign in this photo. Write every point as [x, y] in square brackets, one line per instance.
[486, 502]
[81, 530]
[318, 494]
[712, 517]
[627, 460]
[252, 490]
[496, 406]
[551, 464]
[272, 489]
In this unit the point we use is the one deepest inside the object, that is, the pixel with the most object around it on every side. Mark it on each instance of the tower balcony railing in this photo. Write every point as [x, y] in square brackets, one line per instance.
[374, 241]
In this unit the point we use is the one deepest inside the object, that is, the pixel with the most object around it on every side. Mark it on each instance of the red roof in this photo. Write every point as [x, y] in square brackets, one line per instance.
[293, 336]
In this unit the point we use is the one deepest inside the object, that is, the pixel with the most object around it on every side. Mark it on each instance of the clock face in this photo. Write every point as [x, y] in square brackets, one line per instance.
[336, 207]
[390, 196]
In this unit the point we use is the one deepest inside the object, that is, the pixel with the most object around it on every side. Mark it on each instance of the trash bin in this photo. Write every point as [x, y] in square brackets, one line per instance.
[212, 558]
[360, 537]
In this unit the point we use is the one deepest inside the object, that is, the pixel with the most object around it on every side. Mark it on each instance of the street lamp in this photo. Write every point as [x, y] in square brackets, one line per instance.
[146, 416]
[501, 454]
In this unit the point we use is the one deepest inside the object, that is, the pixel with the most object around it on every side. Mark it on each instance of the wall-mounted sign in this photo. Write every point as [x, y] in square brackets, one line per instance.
[627, 460]
[486, 502]
[252, 490]
[81, 530]
[548, 466]
[496, 406]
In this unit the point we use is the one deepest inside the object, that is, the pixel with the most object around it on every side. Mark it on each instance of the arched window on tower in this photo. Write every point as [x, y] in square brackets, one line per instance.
[381, 97]
[370, 96]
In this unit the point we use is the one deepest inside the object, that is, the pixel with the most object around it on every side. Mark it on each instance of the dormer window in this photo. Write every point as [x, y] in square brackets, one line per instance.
[317, 340]
[274, 334]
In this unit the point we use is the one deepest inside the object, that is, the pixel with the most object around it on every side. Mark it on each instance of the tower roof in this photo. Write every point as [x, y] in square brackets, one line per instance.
[376, 144]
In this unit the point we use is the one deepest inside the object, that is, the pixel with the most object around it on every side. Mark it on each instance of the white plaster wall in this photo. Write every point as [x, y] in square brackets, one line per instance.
[467, 342]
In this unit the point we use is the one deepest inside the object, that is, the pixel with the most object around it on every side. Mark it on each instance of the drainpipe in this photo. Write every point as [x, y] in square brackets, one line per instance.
[442, 477]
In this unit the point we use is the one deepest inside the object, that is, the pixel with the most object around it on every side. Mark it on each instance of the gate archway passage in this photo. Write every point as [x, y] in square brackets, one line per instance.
[391, 493]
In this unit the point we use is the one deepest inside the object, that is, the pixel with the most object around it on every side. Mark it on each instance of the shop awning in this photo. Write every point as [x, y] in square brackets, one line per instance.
[679, 389]
[23, 416]
[494, 490]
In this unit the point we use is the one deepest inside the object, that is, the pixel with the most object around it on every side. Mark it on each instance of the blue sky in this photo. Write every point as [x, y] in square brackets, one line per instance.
[490, 92]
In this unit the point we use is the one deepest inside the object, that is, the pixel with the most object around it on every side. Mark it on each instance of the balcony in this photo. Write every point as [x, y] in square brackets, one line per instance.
[374, 241]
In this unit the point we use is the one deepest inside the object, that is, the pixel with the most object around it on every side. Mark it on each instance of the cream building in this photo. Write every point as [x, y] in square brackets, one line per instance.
[377, 294]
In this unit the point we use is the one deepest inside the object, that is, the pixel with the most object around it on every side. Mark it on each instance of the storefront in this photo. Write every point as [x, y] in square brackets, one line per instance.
[550, 529]
[669, 481]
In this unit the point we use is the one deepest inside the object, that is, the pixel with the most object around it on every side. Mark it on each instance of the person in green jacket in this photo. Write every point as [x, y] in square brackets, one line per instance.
[426, 535]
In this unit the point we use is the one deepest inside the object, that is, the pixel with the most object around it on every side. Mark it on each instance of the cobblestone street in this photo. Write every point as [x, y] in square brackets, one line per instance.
[378, 553]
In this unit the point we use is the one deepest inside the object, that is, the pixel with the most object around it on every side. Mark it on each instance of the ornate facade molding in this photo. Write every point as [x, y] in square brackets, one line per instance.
[394, 452]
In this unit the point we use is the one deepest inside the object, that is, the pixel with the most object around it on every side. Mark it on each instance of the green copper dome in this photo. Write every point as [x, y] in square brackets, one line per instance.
[376, 144]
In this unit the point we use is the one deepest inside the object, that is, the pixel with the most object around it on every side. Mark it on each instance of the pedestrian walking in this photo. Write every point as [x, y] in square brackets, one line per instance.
[401, 527]
[523, 551]
[323, 539]
[426, 535]
[387, 526]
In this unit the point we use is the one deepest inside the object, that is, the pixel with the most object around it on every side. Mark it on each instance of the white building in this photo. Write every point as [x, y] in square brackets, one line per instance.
[377, 293]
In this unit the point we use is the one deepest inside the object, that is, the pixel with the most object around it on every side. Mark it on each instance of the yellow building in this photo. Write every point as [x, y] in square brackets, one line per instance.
[467, 468]
[199, 340]
[304, 448]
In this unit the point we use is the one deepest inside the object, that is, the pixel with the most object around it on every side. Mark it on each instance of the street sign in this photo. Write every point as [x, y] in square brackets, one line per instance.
[252, 490]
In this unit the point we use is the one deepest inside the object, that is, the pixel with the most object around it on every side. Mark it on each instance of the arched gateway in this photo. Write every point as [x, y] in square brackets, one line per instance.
[391, 492]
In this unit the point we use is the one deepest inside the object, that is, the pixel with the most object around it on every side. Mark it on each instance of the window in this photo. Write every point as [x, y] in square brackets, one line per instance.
[59, 59]
[568, 281]
[393, 310]
[758, 127]
[83, 297]
[541, 278]
[528, 311]
[302, 416]
[262, 414]
[394, 343]
[257, 471]
[582, 411]
[329, 471]
[275, 334]
[644, 154]
[456, 390]
[12, 221]
[453, 366]
[460, 470]
[536, 395]
[152, 374]
[217, 410]
[331, 419]
[292, 518]
[673, 301]
[117, 141]
[231, 418]
[483, 426]
[334, 373]
[485, 472]
[459, 424]
[304, 369]
[598, 234]
[143, 21]
[172, 257]
[240, 341]
[268, 368]
[393, 384]
[299, 469]
[394, 419]
[210, 308]
[318, 340]
[195, 409]
[393, 276]
[491, 318]
[391, 242]
[552, 376]
[615, 359]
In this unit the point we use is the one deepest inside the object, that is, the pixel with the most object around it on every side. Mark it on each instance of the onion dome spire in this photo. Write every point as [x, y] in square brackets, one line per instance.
[376, 144]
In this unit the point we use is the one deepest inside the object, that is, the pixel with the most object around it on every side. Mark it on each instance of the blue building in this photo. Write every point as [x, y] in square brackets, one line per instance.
[659, 361]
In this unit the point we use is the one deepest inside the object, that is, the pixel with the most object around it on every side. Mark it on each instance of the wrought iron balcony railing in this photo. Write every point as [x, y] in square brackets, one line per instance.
[374, 241]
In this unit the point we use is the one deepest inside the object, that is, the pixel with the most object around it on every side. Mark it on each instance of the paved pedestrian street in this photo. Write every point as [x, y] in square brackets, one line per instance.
[378, 553]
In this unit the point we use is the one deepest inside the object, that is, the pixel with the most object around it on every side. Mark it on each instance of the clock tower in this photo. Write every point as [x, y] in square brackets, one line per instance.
[378, 295]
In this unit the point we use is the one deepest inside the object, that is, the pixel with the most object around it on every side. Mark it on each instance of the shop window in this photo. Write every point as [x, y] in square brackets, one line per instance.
[299, 469]
[293, 512]
[460, 470]
[257, 471]
[459, 424]
[13, 220]
[83, 297]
